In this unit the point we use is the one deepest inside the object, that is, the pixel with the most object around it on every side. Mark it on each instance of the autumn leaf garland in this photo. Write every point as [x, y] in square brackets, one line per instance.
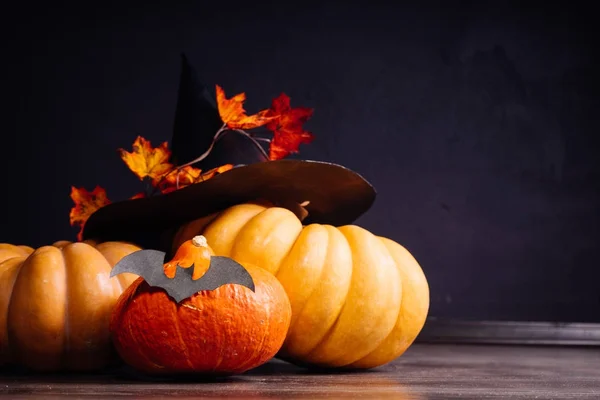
[150, 164]
[153, 164]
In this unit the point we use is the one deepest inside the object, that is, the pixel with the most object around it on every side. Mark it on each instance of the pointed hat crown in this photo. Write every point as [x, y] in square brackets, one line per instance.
[196, 121]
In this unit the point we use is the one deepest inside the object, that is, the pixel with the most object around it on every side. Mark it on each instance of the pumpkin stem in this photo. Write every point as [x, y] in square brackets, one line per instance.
[194, 252]
[299, 209]
[199, 241]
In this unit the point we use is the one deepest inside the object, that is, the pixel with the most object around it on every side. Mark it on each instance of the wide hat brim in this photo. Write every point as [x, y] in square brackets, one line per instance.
[335, 195]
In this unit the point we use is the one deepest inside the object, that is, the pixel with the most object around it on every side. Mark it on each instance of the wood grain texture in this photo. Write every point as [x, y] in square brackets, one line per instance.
[426, 371]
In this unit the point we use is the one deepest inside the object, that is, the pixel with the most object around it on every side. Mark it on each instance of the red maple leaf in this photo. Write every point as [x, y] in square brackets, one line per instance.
[86, 203]
[287, 129]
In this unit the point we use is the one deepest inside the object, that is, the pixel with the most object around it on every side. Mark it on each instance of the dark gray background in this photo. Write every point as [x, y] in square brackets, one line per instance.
[477, 122]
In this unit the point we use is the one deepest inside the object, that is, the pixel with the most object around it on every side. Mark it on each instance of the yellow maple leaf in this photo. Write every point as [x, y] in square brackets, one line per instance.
[147, 161]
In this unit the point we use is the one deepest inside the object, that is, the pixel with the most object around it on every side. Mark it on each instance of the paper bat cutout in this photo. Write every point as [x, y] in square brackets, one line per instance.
[149, 265]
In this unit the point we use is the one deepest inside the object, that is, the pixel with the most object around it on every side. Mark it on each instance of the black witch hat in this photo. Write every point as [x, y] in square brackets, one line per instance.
[332, 193]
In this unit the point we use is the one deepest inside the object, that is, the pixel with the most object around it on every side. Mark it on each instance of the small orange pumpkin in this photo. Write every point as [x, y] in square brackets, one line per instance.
[224, 331]
[55, 304]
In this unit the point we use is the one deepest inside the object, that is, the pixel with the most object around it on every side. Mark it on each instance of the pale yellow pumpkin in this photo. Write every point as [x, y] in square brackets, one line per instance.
[358, 300]
[56, 301]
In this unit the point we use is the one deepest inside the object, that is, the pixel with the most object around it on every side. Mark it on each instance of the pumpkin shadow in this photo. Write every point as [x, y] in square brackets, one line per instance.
[126, 374]
[278, 366]
[274, 367]
[131, 376]
[115, 375]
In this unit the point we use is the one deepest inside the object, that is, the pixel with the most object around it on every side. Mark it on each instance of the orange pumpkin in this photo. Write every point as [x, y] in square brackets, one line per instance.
[358, 300]
[55, 304]
[224, 331]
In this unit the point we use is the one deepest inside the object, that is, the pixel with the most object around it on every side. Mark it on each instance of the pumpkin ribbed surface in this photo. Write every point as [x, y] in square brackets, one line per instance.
[223, 331]
[55, 304]
[358, 300]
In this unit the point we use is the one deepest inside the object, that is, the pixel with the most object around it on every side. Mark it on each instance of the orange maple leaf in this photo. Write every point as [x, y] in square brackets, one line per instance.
[139, 195]
[215, 171]
[189, 175]
[86, 203]
[146, 161]
[287, 129]
[233, 114]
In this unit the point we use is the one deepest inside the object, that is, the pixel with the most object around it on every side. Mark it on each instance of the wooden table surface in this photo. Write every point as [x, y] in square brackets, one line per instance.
[426, 371]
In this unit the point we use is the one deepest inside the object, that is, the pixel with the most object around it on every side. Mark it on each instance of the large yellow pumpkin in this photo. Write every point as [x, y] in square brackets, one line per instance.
[358, 300]
[56, 302]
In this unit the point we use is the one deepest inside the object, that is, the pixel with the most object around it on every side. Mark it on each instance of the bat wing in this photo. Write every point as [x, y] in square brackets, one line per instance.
[222, 271]
[146, 263]
[149, 265]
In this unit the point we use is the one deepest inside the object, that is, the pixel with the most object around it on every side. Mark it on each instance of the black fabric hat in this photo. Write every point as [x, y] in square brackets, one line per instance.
[335, 194]
[197, 119]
